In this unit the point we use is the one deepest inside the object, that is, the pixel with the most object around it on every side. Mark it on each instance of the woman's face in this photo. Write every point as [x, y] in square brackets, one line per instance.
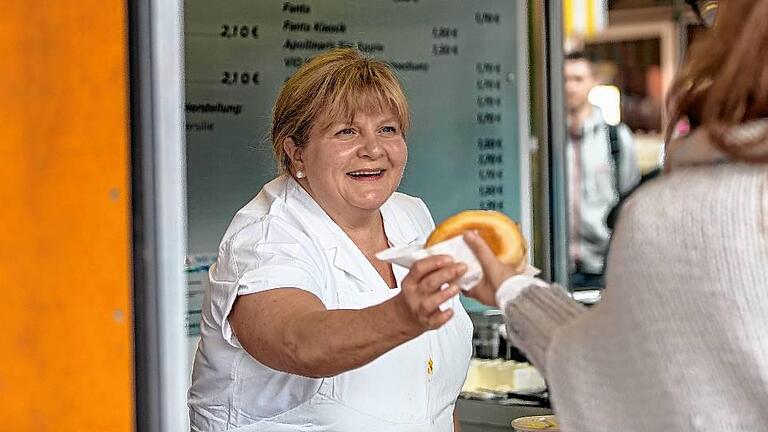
[354, 166]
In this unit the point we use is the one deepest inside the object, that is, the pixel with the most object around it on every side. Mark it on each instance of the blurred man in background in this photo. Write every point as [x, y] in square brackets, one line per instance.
[602, 166]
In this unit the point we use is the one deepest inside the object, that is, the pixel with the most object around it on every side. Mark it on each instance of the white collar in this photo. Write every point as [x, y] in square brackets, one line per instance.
[334, 241]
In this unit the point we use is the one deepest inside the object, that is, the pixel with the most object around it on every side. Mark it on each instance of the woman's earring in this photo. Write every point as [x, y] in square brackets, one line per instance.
[300, 174]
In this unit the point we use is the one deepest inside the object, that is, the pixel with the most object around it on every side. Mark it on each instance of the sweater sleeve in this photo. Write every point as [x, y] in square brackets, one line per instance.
[534, 312]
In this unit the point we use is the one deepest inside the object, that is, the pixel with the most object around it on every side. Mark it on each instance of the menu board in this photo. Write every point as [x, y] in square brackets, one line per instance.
[462, 64]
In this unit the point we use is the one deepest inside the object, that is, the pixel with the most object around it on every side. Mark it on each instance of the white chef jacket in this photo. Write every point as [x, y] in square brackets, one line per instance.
[283, 238]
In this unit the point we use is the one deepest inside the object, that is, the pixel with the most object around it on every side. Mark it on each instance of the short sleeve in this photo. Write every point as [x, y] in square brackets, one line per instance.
[263, 256]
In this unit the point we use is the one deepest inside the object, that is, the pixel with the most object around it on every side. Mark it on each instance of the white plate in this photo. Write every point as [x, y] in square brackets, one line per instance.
[536, 424]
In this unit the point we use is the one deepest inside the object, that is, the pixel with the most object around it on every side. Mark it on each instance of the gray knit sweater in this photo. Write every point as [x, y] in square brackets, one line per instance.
[679, 341]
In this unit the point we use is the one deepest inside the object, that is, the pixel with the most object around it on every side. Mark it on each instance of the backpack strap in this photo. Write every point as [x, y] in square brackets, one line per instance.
[613, 139]
[613, 215]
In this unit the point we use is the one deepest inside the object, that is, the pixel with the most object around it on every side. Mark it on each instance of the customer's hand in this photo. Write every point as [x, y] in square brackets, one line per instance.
[494, 271]
[422, 293]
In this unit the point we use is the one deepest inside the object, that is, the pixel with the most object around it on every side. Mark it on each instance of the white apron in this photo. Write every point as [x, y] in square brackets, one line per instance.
[413, 387]
[397, 391]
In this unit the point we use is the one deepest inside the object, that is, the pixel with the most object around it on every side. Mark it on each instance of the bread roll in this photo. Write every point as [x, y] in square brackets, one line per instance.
[501, 233]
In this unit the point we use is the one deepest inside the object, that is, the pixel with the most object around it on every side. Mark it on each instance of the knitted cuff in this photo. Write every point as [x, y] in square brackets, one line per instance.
[534, 316]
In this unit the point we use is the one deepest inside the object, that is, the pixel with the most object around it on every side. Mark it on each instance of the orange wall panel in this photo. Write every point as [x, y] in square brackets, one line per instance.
[66, 340]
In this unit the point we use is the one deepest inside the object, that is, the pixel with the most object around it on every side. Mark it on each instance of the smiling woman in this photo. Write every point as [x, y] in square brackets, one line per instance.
[351, 167]
[302, 324]
[330, 90]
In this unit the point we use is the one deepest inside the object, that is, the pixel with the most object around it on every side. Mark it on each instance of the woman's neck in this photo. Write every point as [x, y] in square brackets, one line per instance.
[361, 225]
[363, 228]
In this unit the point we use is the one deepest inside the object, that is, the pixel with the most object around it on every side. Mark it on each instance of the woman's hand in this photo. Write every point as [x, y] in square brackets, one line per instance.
[418, 303]
[494, 271]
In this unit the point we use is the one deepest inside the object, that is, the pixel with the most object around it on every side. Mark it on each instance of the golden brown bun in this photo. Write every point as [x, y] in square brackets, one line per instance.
[502, 234]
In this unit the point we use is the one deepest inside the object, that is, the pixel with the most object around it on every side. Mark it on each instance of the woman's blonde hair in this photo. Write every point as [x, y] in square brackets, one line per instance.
[724, 81]
[332, 87]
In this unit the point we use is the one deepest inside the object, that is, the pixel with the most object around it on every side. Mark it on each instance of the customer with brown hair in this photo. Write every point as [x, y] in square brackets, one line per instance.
[679, 340]
[302, 327]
